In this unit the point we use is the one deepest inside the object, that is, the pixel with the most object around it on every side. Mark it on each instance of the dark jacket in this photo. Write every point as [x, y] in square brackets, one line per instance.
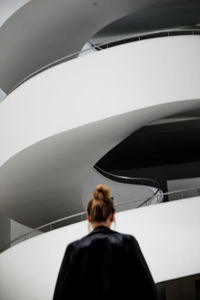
[105, 264]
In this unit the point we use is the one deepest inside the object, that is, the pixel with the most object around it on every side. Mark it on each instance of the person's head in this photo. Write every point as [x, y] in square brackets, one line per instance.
[100, 209]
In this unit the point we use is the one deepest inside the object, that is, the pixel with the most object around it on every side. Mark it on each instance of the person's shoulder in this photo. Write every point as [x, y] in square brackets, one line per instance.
[128, 238]
[113, 236]
[124, 235]
[79, 243]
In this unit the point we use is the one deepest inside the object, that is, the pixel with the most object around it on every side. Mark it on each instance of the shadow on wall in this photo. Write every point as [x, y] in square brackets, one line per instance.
[186, 288]
[2, 95]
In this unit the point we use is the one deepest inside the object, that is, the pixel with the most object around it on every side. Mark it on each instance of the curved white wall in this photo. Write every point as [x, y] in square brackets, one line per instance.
[98, 86]
[57, 125]
[168, 235]
[45, 30]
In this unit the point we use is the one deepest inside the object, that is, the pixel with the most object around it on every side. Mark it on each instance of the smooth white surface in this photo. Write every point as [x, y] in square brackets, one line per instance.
[57, 125]
[167, 233]
[43, 31]
[101, 85]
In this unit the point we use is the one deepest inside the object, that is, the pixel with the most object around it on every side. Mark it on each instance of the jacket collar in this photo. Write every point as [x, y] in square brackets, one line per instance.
[101, 228]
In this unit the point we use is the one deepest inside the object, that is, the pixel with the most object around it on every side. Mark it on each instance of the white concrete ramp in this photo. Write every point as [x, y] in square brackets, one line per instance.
[168, 234]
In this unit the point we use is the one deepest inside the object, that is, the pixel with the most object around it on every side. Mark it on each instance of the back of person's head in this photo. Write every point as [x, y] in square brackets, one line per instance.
[100, 206]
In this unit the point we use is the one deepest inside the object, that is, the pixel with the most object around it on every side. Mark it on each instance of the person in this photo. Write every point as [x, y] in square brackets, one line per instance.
[104, 264]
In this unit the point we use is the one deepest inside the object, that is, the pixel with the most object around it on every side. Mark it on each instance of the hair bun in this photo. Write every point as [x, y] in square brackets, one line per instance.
[101, 192]
[100, 206]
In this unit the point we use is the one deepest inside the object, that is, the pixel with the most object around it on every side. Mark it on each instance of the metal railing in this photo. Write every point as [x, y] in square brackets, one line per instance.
[134, 180]
[111, 43]
[177, 195]
[68, 220]
[159, 198]
[129, 180]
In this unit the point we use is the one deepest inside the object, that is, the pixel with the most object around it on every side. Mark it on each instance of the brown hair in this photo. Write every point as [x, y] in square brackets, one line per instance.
[100, 206]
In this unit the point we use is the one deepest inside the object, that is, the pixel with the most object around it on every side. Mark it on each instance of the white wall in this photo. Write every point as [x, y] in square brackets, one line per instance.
[45, 30]
[168, 235]
[98, 86]
[57, 125]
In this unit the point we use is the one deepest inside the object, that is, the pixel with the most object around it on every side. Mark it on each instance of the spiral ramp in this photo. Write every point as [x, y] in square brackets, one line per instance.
[58, 124]
[62, 121]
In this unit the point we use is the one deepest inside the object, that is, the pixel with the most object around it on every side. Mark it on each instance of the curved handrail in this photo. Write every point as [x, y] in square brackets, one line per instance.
[131, 180]
[128, 179]
[117, 178]
[83, 214]
[114, 42]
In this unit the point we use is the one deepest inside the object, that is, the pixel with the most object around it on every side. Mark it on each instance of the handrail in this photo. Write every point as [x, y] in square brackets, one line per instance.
[175, 192]
[126, 179]
[101, 46]
[83, 214]
[131, 180]
[118, 178]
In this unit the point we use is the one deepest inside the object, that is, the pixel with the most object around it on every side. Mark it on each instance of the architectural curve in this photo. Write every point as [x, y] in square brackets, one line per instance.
[167, 241]
[54, 148]
[30, 40]
[56, 126]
